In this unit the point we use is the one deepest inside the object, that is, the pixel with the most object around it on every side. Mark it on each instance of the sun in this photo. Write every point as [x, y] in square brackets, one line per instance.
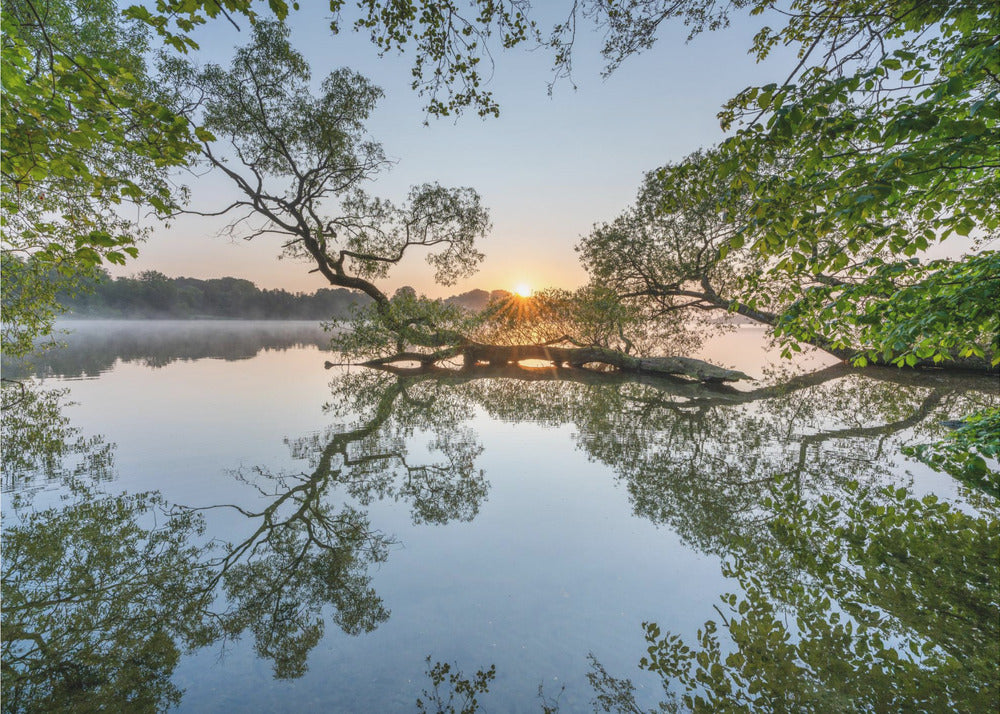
[523, 289]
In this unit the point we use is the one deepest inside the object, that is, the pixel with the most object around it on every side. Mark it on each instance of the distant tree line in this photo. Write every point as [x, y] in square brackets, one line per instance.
[153, 295]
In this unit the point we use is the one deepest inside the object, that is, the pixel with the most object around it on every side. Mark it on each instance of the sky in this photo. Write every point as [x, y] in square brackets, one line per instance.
[548, 168]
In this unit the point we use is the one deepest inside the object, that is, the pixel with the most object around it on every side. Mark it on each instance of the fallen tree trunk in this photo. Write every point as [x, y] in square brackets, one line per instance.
[690, 393]
[474, 353]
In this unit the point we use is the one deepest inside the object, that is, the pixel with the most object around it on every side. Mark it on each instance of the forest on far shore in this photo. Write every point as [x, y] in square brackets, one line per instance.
[154, 295]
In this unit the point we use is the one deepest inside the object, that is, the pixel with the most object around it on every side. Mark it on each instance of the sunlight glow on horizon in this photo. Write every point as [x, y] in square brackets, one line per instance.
[523, 289]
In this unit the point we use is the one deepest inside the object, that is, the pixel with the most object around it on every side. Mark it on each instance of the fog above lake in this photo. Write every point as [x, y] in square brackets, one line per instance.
[86, 348]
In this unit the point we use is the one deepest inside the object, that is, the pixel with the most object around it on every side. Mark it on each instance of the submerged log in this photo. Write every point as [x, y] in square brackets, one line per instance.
[574, 358]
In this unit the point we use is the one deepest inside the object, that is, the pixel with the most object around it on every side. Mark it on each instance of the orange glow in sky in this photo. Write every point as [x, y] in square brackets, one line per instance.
[523, 289]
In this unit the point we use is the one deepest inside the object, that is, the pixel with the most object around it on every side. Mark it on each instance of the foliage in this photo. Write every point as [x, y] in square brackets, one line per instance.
[373, 330]
[677, 253]
[82, 130]
[588, 316]
[462, 692]
[906, 312]
[891, 116]
[85, 129]
[277, 131]
[696, 460]
[669, 257]
[32, 291]
[83, 134]
[964, 452]
[880, 142]
[98, 590]
[294, 568]
[894, 131]
[445, 486]
[305, 554]
[450, 39]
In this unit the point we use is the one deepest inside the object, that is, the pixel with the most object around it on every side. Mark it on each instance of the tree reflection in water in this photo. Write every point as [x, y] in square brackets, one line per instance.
[99, 592]
[853, 595]
[849, 596]
[102, 593]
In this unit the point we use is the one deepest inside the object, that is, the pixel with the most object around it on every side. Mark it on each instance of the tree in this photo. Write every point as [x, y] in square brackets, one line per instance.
[671, 252]
[890, 115]
[905, 313]
[84, 129]
[83, 133]
[306, 557]
[679, 250]
[881, 141]
[275, 131]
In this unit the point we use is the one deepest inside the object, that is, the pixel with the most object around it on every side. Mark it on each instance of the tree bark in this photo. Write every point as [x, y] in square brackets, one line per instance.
[474, 353]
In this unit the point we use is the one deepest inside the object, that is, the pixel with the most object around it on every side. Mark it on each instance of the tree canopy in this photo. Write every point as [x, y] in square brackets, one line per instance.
[890, 114]
[83, 134]
[880, 142]
[299, 163]
[86, 131]
[678, 250]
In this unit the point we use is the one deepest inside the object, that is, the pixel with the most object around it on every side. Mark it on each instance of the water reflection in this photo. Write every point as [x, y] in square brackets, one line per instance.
[91, 347]
[100, 597]
[702, 458]
[40, 445]
[846, 595]
[136, 570]
[100, 592]
[869, 600]
[367, 454]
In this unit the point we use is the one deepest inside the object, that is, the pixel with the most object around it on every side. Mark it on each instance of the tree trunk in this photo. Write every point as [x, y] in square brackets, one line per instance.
[474, 353]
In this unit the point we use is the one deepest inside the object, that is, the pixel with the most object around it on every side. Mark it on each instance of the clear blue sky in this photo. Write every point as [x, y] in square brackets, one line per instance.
[548, 168]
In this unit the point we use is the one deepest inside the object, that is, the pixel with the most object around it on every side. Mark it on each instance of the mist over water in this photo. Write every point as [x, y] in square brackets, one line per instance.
[87, 348]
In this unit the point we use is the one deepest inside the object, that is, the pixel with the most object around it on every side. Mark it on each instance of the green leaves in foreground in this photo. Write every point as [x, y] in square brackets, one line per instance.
[84, 134]
[905, 312]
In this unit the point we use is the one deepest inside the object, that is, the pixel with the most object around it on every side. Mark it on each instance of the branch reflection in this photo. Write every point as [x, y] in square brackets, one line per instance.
[892, 596]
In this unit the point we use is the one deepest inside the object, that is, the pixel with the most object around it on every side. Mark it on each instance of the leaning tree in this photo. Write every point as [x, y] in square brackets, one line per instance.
[299, 162]
[686, 246]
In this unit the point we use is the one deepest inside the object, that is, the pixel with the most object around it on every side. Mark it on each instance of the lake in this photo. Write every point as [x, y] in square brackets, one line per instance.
[212, 519]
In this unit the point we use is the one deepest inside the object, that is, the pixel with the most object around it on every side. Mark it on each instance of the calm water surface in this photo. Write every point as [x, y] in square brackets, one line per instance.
[309, 537]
